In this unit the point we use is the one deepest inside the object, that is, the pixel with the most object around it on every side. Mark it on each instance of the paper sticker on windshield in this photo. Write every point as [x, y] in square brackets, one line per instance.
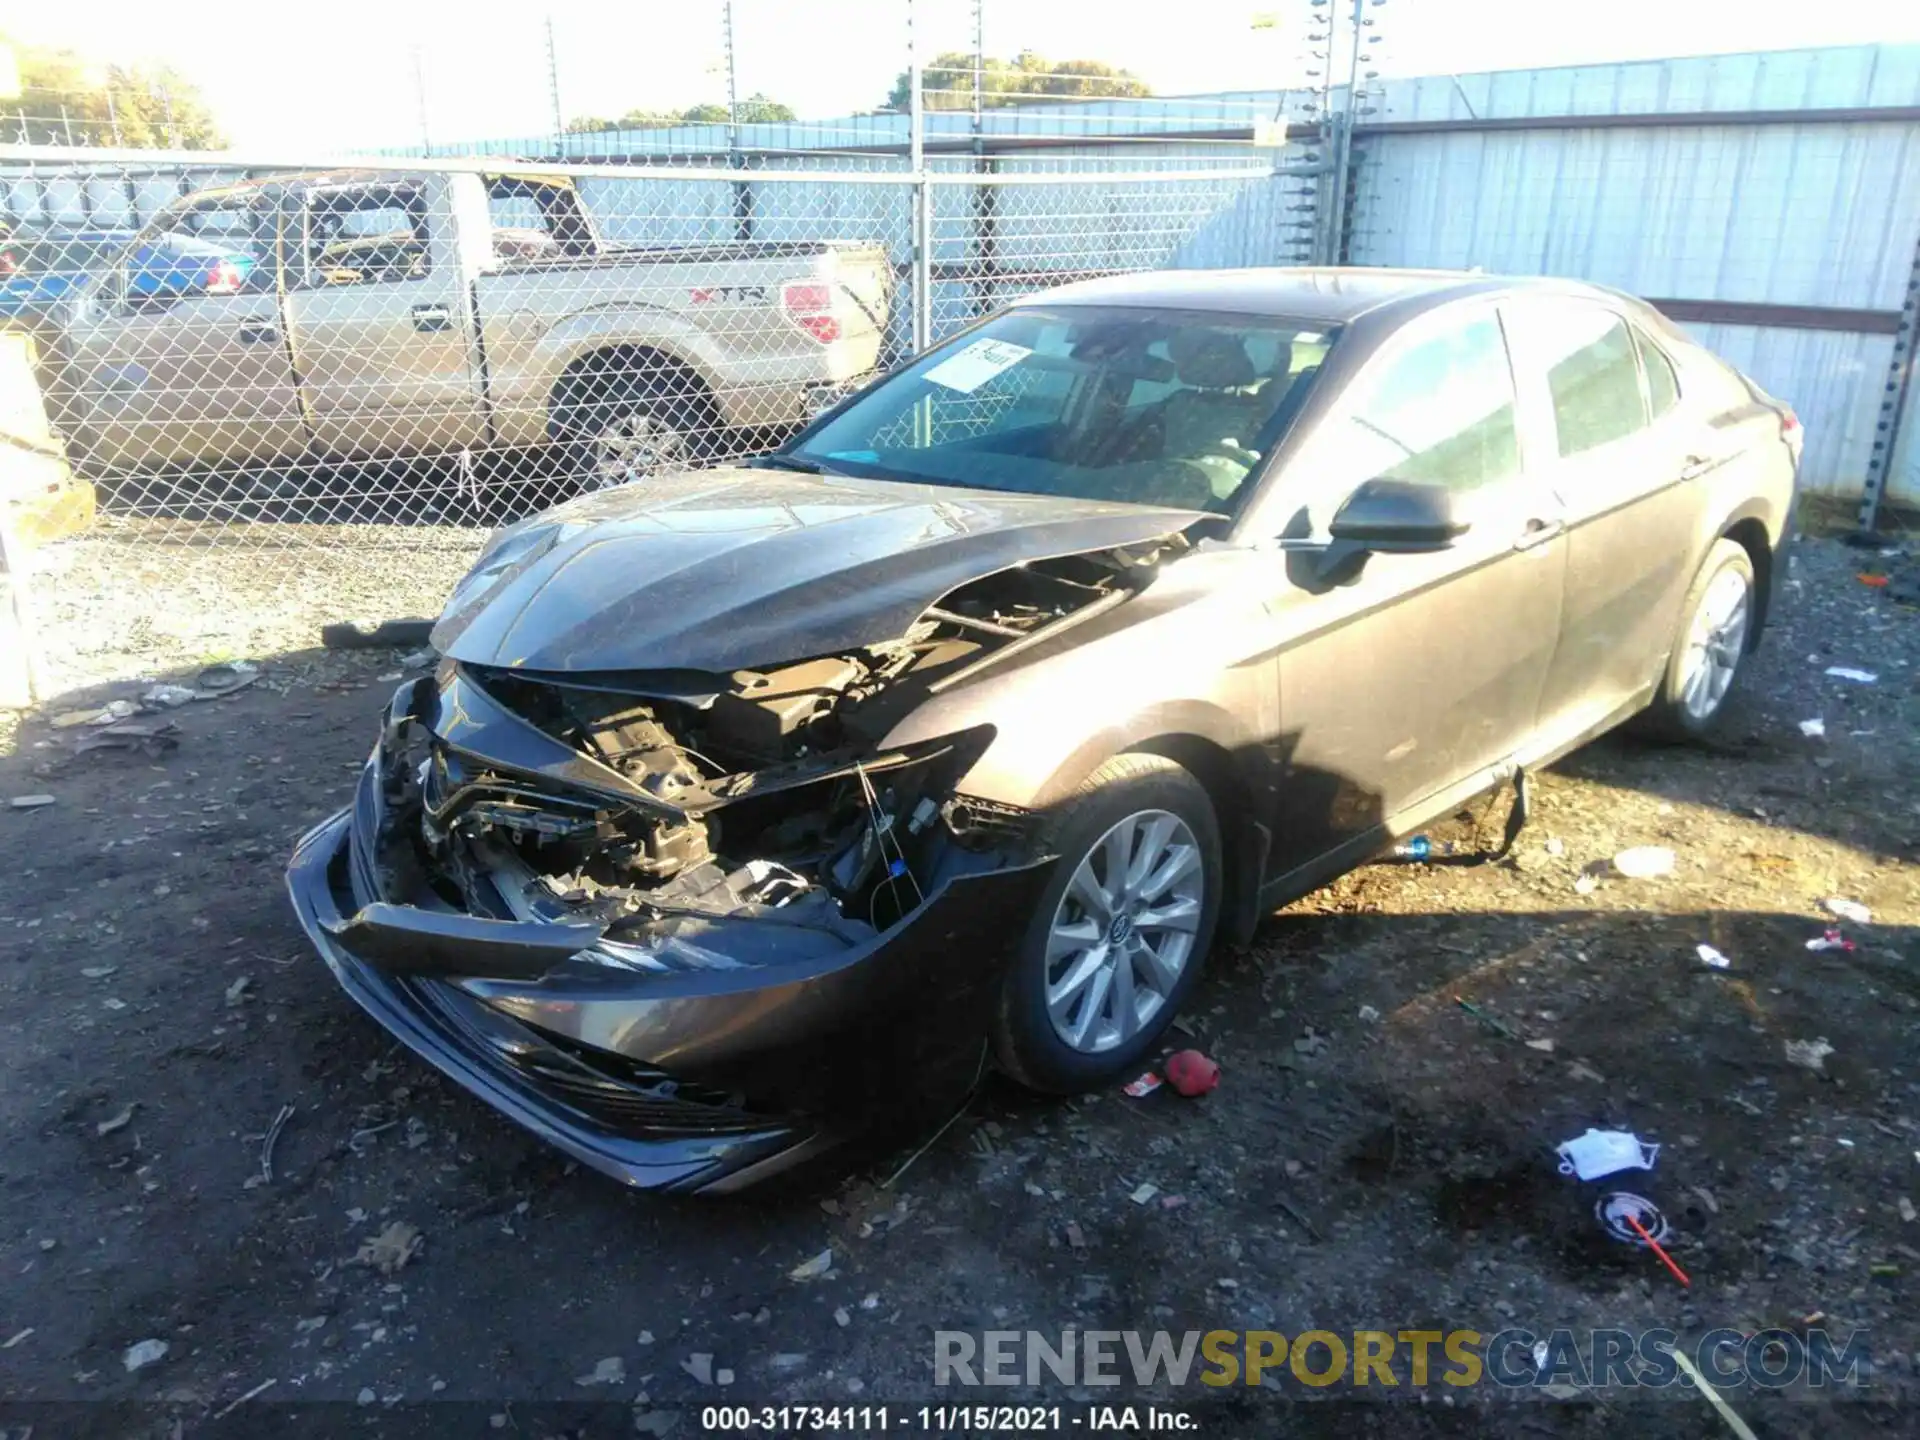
[977, 364]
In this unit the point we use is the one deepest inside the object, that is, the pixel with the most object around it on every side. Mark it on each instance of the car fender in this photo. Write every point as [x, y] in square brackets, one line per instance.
[1741, 515]
[1156, 679]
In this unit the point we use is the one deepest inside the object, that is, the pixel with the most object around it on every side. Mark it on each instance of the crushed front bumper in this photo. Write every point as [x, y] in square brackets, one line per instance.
[702, 1080]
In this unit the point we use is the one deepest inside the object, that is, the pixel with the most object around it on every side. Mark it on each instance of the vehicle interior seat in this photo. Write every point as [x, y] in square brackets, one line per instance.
[1210, 422]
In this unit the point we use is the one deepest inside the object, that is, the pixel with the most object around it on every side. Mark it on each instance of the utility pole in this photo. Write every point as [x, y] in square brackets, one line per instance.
[733, 82]
[553, 89]
[979, 73]
[922, 193]
[420, 99]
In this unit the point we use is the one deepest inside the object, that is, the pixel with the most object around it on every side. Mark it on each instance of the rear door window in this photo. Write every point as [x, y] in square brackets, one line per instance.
[1593, 377]
[1663, 387]
[366, 236]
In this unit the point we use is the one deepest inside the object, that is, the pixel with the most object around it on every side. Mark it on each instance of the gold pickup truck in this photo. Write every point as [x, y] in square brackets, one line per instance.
[355, 315]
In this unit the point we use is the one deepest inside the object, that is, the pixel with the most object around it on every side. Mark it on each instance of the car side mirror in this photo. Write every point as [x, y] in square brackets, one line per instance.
[1398, 516]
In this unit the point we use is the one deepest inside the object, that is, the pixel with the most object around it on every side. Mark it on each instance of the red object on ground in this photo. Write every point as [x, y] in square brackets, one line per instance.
[1191, 1073]
[1665, 1259]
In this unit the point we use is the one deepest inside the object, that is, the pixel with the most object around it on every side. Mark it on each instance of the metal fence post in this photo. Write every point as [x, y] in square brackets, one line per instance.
[922, 194]
[1893, 402]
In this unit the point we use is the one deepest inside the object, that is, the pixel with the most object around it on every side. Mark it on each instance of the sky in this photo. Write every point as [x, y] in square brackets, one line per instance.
[281, 77]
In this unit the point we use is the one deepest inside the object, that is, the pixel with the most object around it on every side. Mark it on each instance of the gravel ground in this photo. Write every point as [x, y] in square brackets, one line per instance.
[134, 598]
[1376, 1157]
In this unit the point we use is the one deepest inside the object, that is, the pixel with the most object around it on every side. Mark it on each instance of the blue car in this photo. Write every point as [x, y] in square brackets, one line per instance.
[37, 269]
[48, 266]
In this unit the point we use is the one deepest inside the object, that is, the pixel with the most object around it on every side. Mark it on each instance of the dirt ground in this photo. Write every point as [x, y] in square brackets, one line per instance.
[1376, 1157]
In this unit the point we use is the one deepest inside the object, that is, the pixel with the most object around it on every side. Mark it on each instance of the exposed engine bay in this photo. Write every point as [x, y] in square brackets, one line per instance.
[764, 798]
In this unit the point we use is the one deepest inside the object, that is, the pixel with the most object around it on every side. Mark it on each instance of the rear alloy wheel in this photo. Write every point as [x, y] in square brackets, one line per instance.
[1121, 931]
[1716, 629]
[633, 439]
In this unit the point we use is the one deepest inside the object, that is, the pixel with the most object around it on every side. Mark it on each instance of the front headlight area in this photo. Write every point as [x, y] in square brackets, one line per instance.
[658, 830]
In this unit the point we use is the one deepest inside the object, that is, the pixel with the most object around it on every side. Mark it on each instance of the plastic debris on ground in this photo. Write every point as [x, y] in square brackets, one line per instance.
[1599, 1153]
[813, 1269]
[1545, 1047]
[147, 733]
[1191, 1073]
[1847, 672]
[224, 678]
[1492, 1022]
[1143, 1086]
[1144, 1192]
[391, 1249]
[30, 802]
[1814, 729]
[1644, 862]
[1369, 1015]
[1847, 910]
[1830, 940]
[1710, 956]
[1809, 1054]
[167, 697]
[143, 1354]
[610, 1371]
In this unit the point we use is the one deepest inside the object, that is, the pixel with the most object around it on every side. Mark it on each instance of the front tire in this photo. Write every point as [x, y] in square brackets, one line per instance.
[1121, 932]
[1716, 631]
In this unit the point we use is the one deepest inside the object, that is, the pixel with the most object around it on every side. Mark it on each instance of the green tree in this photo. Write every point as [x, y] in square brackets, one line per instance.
[947, 84]
[755, 107]
[67, 100]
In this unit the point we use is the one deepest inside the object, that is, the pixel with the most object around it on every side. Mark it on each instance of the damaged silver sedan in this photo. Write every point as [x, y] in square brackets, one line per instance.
[750, 806]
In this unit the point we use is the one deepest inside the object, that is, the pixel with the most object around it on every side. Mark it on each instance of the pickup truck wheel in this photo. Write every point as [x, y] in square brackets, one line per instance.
[628, 436]
[1121, 931]
[635, 440]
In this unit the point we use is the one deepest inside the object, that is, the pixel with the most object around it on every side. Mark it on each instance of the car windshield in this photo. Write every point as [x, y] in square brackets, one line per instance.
[1149, 406]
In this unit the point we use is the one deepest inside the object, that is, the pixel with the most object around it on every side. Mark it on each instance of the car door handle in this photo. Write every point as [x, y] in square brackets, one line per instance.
[1538, 532]
[258, 334]
[1698, 465]
[431, 317]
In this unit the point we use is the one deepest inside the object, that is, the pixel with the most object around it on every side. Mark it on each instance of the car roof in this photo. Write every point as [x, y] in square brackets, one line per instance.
[1328, 295]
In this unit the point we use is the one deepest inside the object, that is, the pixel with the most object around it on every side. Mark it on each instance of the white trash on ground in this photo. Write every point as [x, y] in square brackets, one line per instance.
[1604, 1152]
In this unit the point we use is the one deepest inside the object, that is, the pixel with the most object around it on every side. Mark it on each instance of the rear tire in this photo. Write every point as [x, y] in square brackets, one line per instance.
[628, 427]
[1710, 650]
[1118, 938]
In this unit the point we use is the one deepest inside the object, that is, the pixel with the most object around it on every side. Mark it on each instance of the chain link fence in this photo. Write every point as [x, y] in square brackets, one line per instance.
[307, 394]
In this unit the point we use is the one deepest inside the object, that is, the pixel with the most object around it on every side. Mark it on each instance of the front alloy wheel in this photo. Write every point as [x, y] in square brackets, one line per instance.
[1123, 931]
[1120, 932]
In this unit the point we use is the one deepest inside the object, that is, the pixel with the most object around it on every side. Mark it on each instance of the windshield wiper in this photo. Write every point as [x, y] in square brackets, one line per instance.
[780, 461]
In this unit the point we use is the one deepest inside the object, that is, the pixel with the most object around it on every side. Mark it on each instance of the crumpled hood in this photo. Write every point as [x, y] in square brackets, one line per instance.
[737, 568]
